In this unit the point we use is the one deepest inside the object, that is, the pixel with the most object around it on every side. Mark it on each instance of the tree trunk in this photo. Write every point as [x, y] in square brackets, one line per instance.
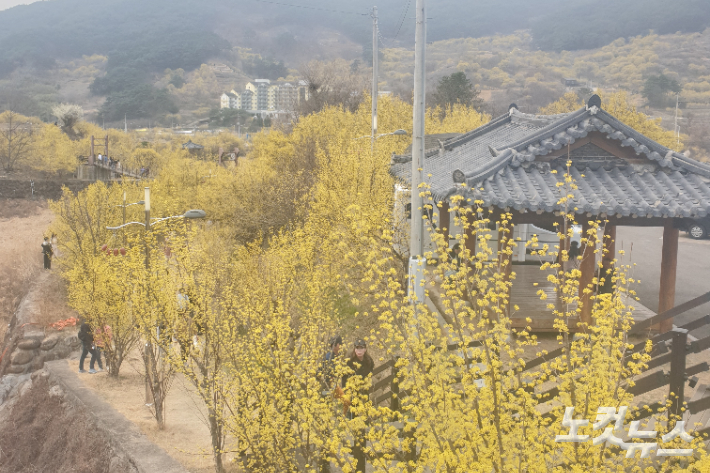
[114, 360]
[217, 438]
[156, 387]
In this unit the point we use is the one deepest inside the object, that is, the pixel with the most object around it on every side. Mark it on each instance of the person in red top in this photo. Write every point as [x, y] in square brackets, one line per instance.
[102, 337]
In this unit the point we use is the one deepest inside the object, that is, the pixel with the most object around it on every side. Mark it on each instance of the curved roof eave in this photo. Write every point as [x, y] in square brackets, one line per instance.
[525, 149]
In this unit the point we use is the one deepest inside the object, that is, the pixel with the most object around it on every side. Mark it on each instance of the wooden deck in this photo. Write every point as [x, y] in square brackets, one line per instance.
[526, 296]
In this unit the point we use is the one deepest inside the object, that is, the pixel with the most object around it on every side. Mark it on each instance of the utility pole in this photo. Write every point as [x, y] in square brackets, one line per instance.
[125, 123]
[417, 263]
[677, 128]
[375, 75]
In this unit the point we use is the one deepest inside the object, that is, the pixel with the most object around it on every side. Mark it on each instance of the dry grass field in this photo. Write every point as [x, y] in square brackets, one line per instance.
[22, 227]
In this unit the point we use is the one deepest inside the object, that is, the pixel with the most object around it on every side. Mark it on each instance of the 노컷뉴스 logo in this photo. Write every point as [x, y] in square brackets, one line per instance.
[607, 415]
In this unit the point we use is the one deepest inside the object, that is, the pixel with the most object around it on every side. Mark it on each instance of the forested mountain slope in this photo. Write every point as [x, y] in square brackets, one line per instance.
[180, 33]
[112, 54]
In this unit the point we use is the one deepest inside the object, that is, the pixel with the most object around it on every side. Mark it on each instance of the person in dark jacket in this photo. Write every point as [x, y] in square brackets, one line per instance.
[47, 252]
[606, 286]
[86, 336]
[360, 365]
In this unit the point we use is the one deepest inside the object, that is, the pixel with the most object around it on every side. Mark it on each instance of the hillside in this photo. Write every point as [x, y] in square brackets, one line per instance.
[510, 68]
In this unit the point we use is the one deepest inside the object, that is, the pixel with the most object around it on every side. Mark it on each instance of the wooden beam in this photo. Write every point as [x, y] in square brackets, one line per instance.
[546, 220]
[505, 261]
[643, 325]
[587, 267]
[669, 263]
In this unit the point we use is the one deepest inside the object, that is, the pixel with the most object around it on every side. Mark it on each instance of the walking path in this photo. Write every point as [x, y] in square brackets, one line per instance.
[123, 434]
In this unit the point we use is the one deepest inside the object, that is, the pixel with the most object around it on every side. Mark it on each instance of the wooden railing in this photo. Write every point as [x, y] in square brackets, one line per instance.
[386, 389]
[136, 174]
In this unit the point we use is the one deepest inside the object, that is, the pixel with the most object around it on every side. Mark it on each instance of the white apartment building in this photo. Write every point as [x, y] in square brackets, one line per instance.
[260, 95]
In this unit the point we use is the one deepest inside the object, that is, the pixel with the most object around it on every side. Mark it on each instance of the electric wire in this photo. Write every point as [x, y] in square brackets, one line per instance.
[382, 40]
[404, 17]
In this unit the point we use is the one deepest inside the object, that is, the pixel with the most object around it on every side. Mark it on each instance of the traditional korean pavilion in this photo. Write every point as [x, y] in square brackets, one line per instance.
[192, 147]
[514, 163]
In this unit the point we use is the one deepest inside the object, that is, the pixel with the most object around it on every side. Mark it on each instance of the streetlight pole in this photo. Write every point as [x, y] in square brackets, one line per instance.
[417, 263]
[375, 74]
[146, 208]
[395, 133]
[124, 217]
[150, 359]
[148, 348]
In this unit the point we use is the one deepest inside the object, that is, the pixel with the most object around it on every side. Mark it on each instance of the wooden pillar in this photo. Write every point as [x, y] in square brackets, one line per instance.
[470, 234]
[92, 156]
[106, 147]
[610, 240]
[445, 221]
[669, 262]
[564, 243]
[587, 268]
[505, 233]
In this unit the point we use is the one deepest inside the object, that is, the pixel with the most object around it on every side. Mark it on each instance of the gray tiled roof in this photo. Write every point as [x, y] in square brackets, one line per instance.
[499, 161]
[470, 151]
[621, 190]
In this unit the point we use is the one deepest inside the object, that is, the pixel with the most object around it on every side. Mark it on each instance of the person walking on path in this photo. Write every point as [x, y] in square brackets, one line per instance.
[101, 338]
[87, 346]
[47, 252]
[360, 366]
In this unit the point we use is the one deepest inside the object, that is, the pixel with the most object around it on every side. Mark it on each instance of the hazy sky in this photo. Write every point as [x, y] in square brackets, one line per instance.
[5, 4]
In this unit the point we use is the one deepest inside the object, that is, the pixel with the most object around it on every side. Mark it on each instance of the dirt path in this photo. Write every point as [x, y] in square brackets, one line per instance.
[186, 437]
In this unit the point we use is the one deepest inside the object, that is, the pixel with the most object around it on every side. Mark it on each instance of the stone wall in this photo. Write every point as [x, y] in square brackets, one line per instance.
[34, 349]
[43, 189]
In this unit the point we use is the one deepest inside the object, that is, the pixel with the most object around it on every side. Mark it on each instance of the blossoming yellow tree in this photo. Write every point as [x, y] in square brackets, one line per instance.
[99, 278]
[245, 314]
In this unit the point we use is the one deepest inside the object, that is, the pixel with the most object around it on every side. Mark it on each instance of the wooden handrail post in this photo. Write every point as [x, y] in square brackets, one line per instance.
[677, 379]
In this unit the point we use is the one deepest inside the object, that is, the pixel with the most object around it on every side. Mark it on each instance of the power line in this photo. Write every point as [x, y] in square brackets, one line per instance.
[404, 17]
[312, 8]
[382, 40]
